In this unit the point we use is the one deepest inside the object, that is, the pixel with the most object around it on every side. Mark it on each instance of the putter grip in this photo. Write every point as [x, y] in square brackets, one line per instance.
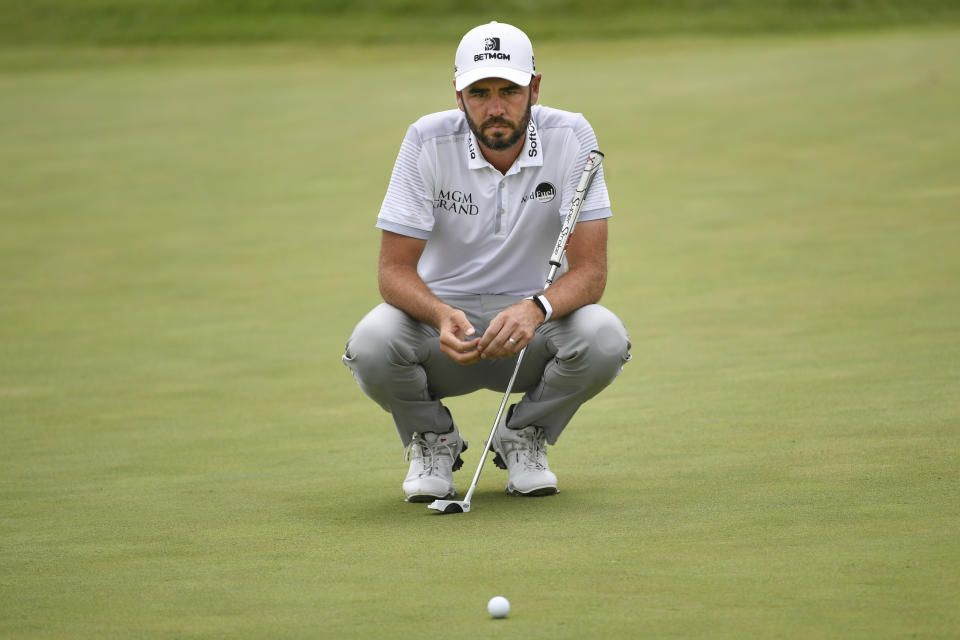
[594, 159]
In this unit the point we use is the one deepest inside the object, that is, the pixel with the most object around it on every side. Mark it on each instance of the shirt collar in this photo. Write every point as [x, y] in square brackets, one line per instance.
[475, 159]
[531, 155]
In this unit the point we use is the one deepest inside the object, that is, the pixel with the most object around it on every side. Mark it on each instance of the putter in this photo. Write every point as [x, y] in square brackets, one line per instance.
[556, 260]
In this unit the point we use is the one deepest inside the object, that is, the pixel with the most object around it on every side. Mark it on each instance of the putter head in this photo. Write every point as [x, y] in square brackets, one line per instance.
[449, 506]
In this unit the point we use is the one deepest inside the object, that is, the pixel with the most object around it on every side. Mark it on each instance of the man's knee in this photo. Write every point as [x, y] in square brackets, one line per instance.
[600, 338]
[378, 340]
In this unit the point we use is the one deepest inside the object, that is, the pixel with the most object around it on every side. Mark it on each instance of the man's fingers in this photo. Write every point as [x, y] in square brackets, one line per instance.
[516, 341]
[509, 332]
[462, 349]
[505, 343]
[457, 337]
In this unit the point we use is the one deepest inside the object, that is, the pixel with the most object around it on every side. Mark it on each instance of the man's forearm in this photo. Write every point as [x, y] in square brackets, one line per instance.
[576, 288]
[584, 283]
[405, 290]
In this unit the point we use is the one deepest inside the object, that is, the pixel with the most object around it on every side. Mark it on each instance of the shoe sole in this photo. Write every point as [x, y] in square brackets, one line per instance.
[534, 493]
[430, 498]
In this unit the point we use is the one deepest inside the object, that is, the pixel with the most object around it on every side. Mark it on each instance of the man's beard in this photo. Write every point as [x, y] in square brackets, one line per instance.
[500, 142]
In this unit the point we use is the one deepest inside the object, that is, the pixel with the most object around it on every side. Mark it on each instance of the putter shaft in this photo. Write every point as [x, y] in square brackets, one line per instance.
[594, 160]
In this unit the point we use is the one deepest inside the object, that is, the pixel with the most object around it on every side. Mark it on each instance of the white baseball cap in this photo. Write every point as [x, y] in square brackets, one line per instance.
[494, 50]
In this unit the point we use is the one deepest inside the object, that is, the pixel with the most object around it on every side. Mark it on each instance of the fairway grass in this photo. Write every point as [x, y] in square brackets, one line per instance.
[186, 241]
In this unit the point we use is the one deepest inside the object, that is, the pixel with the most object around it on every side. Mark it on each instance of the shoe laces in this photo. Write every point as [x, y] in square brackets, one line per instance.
[530, 446]
[429, 452]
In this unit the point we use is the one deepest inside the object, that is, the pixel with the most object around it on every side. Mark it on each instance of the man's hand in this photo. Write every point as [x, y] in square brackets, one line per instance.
[511, 330]
[458, 337]
[401, 286]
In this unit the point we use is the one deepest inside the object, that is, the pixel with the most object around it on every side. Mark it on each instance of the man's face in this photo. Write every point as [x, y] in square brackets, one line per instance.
[498, 111]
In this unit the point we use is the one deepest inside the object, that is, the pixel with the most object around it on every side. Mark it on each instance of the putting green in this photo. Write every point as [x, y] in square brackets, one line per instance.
[186, 240]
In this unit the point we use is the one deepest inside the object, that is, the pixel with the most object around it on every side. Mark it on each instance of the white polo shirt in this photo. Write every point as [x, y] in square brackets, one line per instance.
[489, 233]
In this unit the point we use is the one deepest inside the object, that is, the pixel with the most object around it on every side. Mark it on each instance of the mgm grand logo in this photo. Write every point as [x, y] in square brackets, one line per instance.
[456, 202]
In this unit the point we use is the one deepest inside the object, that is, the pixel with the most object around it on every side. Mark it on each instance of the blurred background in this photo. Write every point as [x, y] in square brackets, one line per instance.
[412, 21]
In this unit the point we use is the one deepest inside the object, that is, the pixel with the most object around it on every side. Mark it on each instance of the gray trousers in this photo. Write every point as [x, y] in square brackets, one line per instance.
[397, 361]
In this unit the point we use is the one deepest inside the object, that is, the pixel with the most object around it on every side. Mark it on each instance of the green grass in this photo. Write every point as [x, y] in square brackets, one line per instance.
[134, 22]
[186, 240]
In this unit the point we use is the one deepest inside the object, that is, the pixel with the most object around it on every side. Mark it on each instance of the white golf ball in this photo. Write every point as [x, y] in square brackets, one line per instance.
[498, 607]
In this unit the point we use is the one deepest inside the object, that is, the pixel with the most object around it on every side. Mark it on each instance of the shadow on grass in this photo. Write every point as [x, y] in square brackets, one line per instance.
[487, 505]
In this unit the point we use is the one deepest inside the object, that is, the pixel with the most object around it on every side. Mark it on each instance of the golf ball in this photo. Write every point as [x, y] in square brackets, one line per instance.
[498, 607]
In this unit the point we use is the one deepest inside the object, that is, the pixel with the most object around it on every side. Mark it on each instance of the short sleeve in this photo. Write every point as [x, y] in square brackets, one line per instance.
[407, 208]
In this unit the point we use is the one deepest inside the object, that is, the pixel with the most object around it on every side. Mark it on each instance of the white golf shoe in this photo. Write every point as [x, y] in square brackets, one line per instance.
[523, 453]
[433, 459]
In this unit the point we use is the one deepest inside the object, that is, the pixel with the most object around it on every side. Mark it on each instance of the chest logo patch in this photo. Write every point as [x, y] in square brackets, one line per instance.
[545, 192]
[454, 201]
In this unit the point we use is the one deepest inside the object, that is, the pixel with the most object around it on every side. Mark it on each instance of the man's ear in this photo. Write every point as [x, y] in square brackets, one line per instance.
[535, 88]
[459, 96]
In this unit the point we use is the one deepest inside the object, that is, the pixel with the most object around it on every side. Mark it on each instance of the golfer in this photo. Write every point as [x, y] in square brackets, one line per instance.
[468, 223]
